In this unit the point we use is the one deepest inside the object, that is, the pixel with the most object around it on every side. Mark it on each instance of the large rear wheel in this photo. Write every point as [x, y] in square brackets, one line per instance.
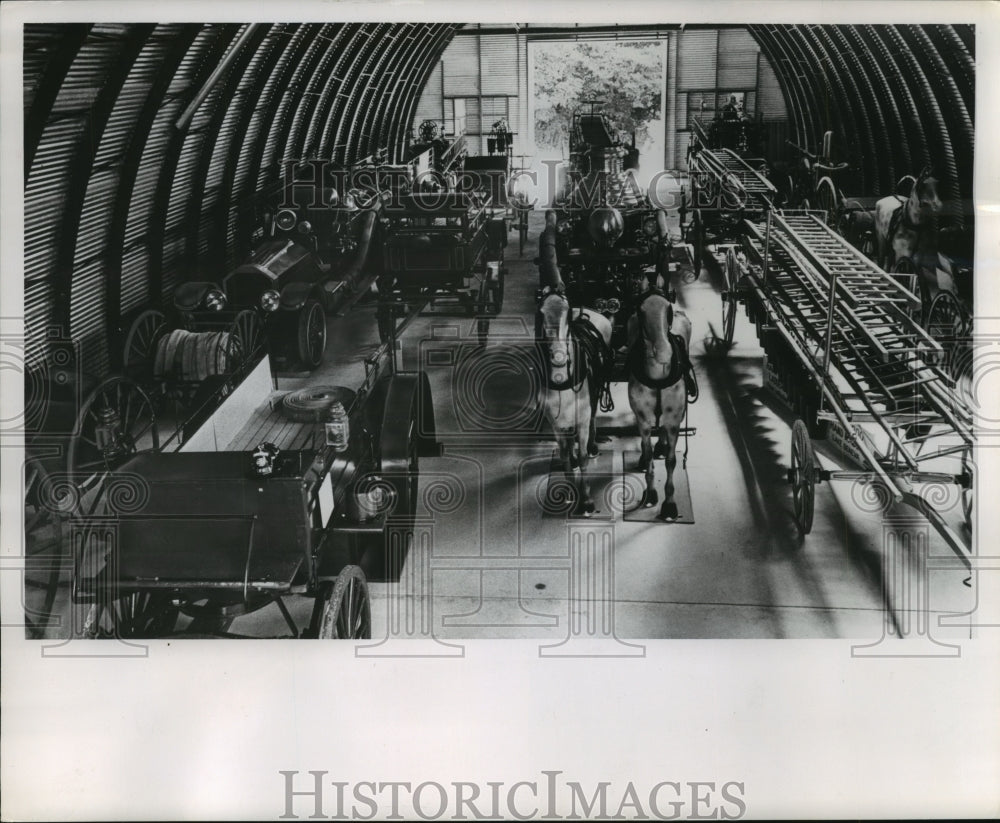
[343, 608]
[311, 334]
[826, 201]
[803, 476]
[137, 614]
[140, 343]
[730, 299]
[116, 422]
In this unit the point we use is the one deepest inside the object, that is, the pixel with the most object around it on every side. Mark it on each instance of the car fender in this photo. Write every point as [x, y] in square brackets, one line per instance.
[392, 400]
[294, 295]
[189, 296]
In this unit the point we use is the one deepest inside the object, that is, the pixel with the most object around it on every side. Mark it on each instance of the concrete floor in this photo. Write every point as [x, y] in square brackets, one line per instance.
[490, 562]
[495, 564]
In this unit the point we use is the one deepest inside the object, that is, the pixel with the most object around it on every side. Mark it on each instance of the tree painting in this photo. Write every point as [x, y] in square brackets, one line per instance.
[625, 75]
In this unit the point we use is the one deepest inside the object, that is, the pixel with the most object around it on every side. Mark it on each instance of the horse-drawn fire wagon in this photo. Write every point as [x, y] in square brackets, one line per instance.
[276, 493]
[605, 238]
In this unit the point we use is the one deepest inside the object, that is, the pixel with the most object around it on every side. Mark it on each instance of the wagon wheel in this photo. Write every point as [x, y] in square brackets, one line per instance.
[731, 303]
[803, 476]
[945, 319]
[311, 337]
[343, 608]
[140, 342]
[46, 502]
[116, 422]
[137, 614]
[246, 338]
[826, 201]
[788, 192]
[946, 323]
[39, 503]
[967, 494]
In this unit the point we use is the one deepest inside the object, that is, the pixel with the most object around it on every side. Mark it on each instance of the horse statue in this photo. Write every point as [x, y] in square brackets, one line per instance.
[660, 380]
[576, 350]
[906, 232]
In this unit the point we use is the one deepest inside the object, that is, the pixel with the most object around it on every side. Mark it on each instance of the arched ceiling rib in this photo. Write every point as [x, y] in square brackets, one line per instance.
[123, 200]
[896, 97]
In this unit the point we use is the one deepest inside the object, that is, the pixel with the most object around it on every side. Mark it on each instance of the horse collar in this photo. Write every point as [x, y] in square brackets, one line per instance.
[575, 374]
[647, 294]
[677, 363]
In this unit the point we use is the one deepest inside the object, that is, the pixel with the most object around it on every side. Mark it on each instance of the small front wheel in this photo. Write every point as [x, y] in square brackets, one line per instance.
[311, 334]
[343, 608]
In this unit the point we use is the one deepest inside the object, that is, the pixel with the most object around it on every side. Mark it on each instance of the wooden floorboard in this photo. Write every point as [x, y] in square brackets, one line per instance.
[268, 424]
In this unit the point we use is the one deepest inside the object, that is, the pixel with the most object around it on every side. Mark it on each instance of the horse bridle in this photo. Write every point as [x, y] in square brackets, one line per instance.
[547, 293]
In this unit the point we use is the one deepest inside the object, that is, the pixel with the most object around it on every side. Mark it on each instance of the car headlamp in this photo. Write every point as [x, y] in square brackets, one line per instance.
[614, 304]
[285, 219]
[600, 304]
[270, 300]
[215, 300]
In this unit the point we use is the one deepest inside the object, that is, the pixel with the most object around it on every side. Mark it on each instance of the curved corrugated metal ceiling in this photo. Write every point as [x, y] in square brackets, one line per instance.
[124, 198]
[897, 97]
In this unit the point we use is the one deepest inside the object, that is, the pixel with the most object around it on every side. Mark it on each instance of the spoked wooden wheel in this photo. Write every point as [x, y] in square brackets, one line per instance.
[47, 501]
[137, 614]
[945, 318]
[116, 422]
[245, 341]
[730, 304]
[311, 334]
[826, 201]
[968, 494]
[803, 476]
[44, 498]
[141, 341]
[343, 608]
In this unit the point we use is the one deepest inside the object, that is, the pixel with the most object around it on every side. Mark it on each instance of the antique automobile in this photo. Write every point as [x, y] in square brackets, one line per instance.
[312, 258]
[605, 237]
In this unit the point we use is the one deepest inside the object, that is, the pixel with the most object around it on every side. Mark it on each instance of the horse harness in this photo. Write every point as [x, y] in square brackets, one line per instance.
[591, 357]
[680, 364]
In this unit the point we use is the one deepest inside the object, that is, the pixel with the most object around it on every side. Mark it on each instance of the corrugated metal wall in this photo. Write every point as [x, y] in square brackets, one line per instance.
[488, 71]
[711, 64]
[121, 204]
